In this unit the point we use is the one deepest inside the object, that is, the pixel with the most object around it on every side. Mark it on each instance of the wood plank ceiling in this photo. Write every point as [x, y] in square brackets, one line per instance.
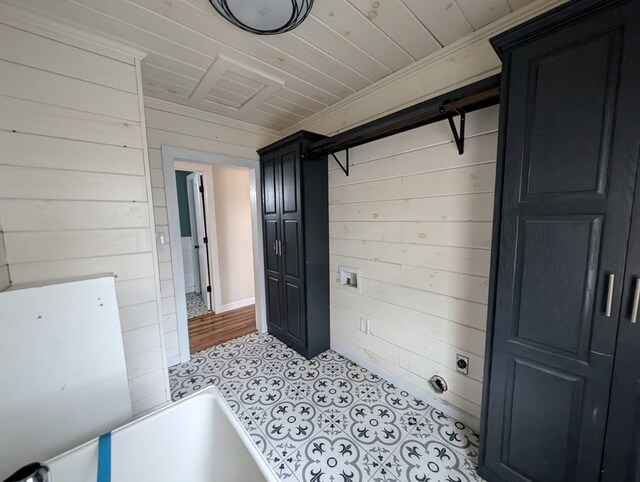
[197, 58]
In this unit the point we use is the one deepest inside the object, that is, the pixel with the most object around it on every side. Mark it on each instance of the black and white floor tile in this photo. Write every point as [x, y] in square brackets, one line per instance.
[195, 305]
[329, 419]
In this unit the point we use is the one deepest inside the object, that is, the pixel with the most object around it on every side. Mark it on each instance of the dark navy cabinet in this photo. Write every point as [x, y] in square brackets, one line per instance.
[296, 243]
[562, 371]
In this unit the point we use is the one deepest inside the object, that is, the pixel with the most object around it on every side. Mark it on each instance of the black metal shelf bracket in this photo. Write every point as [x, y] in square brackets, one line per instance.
[458, 136]
[344, 168]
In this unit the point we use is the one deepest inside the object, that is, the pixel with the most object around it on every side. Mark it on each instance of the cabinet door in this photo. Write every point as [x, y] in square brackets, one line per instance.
[622, 445]
[271, 200]
[569, 162]
[292, 247]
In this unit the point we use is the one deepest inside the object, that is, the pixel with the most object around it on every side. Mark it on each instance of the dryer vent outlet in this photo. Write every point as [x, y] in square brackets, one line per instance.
[438, 384]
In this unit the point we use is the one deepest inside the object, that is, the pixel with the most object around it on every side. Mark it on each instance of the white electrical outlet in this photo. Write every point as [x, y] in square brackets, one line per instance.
[364, 325]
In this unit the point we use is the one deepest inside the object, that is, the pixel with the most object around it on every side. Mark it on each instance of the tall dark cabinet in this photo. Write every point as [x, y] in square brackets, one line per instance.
[562, 376]
[295, 209]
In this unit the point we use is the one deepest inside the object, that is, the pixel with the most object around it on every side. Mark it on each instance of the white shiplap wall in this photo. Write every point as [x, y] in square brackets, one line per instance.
[177, 126]
[74, 183]
[415, 218]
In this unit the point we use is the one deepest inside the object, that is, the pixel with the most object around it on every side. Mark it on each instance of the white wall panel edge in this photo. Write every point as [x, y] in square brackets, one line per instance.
[152, 233]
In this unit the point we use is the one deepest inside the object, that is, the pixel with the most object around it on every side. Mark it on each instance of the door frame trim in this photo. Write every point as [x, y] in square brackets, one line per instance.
[170, 155]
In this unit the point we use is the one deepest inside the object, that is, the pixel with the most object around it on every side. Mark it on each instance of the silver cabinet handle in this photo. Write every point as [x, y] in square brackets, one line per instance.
[279, 249]
[612, 282]
[636, 302]
[275, 247]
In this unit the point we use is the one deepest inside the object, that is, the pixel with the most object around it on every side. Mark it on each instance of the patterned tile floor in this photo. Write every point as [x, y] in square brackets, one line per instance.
[328, 419]
[195, 305]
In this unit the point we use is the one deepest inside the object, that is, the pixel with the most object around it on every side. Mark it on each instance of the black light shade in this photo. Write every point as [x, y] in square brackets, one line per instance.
[264, 17]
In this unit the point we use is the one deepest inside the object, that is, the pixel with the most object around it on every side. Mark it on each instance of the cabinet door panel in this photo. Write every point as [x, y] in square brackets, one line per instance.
[541, 394]
[274, 296]
[565, 212]
[553, 166]
[271, 235]
[551, 247]
[270, 189]
[290, 181]
[291, 252]
[295, 314]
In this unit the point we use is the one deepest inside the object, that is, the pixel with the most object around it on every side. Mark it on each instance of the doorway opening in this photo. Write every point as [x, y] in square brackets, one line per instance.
[216, 240]
[192, 209]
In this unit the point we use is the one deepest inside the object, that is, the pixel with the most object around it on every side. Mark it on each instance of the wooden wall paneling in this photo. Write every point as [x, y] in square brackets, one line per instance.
[126, 267]
[36, 246]
[464, 207]
[56, 153]
[23, 82]
[463, 234]
[480, 14]
[75, 179]
[439, 351]
[343, 18]
[442, 156]
[55, 121]
[137, 316]
[398, 22]
[447, 258]
[455, 334]
[415, 218]
[135, 291]
[24, 48]
[320, 34]
[366, 230]
[444, 20]
[43, 215]
[27, 183]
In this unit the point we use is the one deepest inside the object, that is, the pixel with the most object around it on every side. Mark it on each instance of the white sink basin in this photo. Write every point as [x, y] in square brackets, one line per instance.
[195, 440]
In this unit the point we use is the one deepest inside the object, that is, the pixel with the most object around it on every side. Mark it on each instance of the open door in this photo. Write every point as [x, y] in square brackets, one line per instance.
[200, 242]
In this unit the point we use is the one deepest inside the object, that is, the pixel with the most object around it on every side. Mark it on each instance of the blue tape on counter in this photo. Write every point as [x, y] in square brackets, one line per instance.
[104, 457]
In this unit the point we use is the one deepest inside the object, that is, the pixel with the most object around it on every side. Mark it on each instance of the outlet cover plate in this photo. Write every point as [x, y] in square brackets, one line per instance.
[462, 364]
[364, 325]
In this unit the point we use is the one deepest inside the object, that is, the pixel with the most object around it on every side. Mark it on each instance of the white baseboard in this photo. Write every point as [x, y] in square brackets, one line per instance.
[428, 397]
[235, 305]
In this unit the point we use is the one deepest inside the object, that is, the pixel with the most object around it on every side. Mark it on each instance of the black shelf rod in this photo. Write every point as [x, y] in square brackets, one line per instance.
[480, 94]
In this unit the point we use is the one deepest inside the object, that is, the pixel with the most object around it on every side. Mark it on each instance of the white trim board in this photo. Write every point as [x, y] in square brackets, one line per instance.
[428, 397]
[169, 156]
[152, 227]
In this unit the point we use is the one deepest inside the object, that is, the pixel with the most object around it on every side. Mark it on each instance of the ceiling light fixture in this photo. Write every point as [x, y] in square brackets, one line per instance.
[264, 17]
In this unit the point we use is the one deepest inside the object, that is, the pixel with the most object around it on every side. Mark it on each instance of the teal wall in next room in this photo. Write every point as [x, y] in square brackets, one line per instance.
[183, 203]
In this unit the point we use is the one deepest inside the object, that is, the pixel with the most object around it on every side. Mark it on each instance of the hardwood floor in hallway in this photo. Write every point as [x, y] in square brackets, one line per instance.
[214, 328]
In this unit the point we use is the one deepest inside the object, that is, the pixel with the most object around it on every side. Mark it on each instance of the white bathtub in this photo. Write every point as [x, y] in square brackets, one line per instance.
[195, 440]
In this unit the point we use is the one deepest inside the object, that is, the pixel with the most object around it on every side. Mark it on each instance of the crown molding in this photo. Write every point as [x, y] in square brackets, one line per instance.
[206, 116]
[429, 62]
[24, 18]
